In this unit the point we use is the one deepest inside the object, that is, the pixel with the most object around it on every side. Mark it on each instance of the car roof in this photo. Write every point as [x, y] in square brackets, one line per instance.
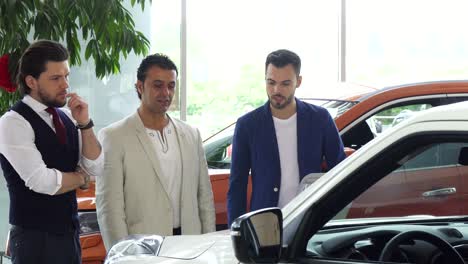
[382, 96]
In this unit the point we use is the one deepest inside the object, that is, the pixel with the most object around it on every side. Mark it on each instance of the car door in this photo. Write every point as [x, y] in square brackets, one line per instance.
[434, 181]
[427, 184]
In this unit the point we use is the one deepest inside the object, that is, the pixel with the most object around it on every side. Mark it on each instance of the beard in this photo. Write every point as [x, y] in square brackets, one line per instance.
[50, 100]
[286, 102]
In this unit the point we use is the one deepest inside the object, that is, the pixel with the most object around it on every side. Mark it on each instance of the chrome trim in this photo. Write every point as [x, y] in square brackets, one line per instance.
[235, 233]
[440, 192]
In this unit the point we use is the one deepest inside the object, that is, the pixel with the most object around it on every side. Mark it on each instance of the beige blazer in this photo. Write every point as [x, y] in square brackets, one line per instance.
[131, 197]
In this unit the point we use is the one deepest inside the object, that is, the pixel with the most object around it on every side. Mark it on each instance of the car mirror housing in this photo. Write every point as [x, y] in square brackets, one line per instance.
[257, 236]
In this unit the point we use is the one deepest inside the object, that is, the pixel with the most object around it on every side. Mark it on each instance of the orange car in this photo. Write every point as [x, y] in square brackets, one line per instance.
[358, 118]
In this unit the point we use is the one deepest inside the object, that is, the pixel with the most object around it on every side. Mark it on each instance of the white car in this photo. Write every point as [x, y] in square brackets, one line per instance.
[335, 221]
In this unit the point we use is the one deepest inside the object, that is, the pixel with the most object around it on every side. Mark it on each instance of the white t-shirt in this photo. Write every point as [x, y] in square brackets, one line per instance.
[167, 151]
[286, 136]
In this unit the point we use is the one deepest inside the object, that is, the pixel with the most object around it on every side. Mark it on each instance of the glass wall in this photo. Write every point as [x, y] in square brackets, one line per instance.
[114, 97]
[398, 41]
[227, 45]
[388, 43]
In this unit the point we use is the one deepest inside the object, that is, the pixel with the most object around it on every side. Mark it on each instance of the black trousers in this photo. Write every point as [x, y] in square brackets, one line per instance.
[33, 246]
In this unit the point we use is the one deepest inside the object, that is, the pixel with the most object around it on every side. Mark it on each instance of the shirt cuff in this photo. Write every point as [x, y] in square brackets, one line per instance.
[59, 176]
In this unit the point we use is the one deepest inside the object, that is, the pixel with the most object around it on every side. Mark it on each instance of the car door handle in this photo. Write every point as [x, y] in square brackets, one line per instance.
[440, 192]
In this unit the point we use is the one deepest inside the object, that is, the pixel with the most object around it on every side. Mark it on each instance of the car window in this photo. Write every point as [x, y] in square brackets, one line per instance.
[371, 127]
[428, 183]
[393, 116]
[218, 149]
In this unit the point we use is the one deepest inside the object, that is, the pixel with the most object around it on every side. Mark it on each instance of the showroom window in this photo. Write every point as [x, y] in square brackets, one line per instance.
[114, 97]
[387, 43]
[393, 42]
[227, 44]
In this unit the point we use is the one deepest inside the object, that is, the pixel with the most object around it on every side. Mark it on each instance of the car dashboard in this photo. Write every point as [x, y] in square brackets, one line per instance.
[366, 243]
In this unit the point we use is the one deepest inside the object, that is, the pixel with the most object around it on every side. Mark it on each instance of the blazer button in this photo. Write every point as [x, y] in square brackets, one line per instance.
[275, 189]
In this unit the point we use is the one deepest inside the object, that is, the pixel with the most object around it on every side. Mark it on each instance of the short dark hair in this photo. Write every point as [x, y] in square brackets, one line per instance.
[34, 59]
[282, 57]
[160, 60]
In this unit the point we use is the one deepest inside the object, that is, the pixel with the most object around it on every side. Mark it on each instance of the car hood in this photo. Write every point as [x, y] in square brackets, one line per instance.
[191, 246]
[214, 247]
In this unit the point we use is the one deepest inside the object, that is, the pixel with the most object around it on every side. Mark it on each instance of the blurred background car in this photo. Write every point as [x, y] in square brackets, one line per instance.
[405, 114]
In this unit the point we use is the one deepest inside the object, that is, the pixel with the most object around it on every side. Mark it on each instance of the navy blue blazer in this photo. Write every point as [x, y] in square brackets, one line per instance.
[255, 149]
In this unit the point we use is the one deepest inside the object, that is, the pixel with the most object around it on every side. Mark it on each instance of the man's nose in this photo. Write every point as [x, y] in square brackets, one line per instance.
[165, 90]
[65, 83]
[276, 88]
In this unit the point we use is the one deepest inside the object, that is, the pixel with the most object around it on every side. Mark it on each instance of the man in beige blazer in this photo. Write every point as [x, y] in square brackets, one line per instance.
[155, 177]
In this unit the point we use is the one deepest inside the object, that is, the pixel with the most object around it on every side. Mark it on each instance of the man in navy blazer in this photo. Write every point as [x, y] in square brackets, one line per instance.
[279, 142]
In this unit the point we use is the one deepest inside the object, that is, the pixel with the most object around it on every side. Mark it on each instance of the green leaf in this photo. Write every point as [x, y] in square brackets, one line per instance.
[106, 26]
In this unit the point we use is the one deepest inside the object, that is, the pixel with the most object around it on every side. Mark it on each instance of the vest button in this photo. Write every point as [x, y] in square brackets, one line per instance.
[275, 189]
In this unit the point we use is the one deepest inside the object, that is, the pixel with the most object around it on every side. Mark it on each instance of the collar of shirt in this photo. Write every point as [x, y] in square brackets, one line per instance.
[40, 109]
[37, 106]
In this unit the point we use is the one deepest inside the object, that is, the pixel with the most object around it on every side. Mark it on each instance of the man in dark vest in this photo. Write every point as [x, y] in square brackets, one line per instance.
[46, 153]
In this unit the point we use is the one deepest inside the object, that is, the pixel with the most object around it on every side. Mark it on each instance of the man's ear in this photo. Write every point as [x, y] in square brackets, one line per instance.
[31, 82]
[299, 81]
[139, 86]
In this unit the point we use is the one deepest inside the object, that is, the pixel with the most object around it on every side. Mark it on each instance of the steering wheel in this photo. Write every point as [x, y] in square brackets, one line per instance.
[450, 253]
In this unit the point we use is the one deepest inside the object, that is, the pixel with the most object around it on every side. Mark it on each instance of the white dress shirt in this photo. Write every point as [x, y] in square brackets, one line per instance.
[17, 145]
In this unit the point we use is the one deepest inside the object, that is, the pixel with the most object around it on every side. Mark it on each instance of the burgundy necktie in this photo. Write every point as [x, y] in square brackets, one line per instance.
[58, 124]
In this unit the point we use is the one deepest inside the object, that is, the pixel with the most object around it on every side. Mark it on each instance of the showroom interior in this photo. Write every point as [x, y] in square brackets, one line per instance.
[347, 47]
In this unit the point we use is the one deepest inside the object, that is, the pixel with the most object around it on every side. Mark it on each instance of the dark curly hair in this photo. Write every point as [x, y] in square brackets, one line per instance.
[283, 57]
[160, 60]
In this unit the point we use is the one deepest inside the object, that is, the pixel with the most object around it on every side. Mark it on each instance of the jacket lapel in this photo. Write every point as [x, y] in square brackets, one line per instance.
[301, 136]
[148, 148]
[271, 142]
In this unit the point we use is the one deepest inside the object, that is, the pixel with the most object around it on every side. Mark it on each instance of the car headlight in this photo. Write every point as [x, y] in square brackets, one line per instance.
[88, 222]
[134, 245]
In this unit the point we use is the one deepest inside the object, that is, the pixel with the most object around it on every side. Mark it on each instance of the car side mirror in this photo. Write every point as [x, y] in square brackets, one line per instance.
[257, 236]
[463, 156]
